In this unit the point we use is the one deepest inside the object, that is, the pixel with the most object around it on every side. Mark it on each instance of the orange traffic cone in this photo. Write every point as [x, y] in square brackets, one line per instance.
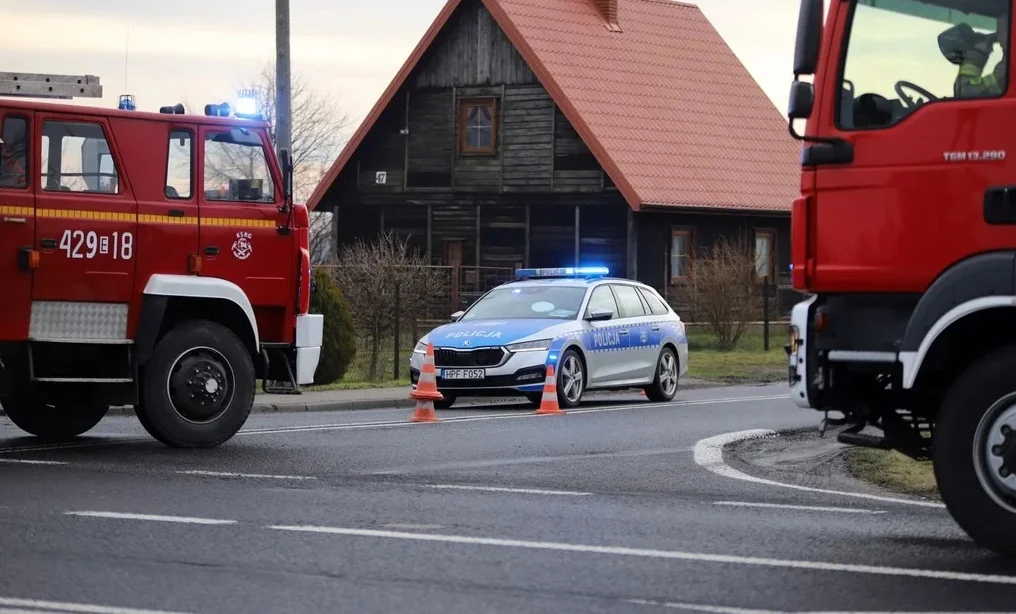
[426, 391]
[549, 405]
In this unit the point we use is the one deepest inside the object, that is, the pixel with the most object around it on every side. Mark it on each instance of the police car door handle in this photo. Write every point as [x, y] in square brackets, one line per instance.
[624, 332]
[656, 327]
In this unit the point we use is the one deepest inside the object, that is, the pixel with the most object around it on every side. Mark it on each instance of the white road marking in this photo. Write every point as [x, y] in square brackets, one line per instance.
[412, 527]
[222, 474]
[709, 454]
[25, 461]
[152, 517]
[526, 491]
[719, 609]
[813, 508]
[78, 608]
[67, 446]
[513, 416]
[697, 607]
[727, 559]
[528, 460]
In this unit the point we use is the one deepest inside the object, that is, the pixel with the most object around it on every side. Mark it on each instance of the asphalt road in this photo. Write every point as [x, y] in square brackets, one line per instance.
[493, 510]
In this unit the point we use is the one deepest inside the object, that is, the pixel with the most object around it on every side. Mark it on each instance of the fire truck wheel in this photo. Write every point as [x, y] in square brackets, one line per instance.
[53, 421]
[198, 387]
[974, 451]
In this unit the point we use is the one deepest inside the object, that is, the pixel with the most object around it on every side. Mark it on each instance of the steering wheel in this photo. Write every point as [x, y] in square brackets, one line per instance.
[907, 100]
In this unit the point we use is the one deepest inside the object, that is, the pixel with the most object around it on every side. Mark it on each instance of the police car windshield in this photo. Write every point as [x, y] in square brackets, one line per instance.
[519, 302]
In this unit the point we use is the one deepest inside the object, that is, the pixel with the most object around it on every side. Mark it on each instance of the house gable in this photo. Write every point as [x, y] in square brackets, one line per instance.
[416, 143]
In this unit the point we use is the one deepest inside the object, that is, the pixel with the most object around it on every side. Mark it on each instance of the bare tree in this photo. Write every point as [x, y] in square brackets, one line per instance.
[321, 237]
[320, 128]
[371, 275]
[725, 290]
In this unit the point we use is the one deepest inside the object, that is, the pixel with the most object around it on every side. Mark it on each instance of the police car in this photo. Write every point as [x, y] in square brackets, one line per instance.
[599, 333]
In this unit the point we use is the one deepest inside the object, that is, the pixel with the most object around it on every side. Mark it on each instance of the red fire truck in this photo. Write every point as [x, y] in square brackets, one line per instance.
[148, 259]
[905, 238]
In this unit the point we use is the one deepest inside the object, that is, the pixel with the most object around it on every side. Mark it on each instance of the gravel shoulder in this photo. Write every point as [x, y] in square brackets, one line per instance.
[803, 458]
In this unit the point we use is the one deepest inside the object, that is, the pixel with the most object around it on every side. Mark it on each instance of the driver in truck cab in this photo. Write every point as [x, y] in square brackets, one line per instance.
[970, 50]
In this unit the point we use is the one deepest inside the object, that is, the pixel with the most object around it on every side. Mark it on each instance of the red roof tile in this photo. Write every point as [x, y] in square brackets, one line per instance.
[665, 105]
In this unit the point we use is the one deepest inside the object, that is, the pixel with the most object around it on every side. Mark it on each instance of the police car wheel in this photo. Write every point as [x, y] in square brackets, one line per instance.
[571, 379]
[53, 419]
[199, 386]
[664, 386]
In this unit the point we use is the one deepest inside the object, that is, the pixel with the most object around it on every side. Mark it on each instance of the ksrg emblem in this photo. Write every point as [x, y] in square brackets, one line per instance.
[242, 247]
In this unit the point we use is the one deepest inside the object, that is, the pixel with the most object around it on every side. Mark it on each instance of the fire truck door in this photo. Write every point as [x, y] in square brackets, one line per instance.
[239, 221]
[17, 224]
[86, 225]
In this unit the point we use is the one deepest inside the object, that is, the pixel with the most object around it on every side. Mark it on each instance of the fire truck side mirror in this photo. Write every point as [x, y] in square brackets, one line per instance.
[809, 37]
[802, 99]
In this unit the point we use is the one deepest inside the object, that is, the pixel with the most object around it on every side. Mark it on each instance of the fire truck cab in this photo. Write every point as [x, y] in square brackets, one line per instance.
[148, 259]
[905, 237]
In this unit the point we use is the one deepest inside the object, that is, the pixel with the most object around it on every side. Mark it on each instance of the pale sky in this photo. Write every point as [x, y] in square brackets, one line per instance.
[199, 50]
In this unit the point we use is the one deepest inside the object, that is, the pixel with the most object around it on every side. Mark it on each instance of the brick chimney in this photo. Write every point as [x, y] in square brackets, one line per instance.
[608, 9]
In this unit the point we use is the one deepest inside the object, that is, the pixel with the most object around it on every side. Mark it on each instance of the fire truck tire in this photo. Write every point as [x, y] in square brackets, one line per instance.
[974, 451]
[53, 421]
[198, 388]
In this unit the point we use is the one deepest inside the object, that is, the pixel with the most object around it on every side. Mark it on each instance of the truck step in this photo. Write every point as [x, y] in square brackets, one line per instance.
[864, 441]
[281, 366]
[279, 388]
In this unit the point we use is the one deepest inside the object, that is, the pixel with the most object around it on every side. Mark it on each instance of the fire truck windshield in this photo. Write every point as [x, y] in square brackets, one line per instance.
[902, 54]
[236, 167]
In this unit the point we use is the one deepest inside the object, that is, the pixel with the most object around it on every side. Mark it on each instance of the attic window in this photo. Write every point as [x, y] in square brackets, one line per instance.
[477, 125]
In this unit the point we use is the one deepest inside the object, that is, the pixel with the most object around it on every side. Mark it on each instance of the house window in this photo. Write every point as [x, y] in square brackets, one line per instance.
[477, 125]
[765, 260]
[680, 254]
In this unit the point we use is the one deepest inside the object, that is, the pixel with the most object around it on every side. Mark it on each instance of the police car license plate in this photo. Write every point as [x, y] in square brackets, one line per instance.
[463, 373]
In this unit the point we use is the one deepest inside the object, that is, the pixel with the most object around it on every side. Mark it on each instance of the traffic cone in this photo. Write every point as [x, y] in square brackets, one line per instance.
[549, 405]
[426, 391]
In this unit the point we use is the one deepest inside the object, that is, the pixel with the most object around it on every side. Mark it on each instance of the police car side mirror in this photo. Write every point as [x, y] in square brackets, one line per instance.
[457, 315]
[598, 315]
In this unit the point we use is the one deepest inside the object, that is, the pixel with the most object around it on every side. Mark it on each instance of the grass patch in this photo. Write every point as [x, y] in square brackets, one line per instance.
[749, 363]
[359, 385]
[892, 470]
[351, 385]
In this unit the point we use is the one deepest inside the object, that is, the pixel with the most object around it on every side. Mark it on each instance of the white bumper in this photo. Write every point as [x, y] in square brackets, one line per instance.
[504, 376]
[798, 359]
[682, 358]
[309, 337]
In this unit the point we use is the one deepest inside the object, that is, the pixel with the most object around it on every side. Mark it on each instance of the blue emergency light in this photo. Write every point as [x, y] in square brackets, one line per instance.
[127, 103]
[550, 273]
[247, 105]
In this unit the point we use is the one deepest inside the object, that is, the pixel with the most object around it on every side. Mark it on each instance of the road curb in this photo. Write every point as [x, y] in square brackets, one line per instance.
[298, 406]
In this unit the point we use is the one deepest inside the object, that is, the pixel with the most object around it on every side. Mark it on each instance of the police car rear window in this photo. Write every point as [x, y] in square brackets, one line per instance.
[520, 302]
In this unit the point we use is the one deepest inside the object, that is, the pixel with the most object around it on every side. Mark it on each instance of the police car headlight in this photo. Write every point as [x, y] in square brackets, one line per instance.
[421, 348]
[529, 346]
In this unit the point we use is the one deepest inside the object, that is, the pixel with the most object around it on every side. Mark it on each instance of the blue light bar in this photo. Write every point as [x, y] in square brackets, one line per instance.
[588, 271]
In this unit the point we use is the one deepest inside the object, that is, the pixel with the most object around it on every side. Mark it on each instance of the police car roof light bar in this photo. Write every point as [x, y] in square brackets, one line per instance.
[574, 272]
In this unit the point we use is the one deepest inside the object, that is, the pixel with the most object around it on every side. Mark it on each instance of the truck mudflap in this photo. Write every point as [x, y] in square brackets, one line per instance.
[309, 338]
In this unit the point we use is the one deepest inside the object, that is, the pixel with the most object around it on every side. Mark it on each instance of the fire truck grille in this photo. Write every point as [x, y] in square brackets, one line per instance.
[483, 357]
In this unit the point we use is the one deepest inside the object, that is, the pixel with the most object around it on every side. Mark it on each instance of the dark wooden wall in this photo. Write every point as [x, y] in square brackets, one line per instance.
[523, 203]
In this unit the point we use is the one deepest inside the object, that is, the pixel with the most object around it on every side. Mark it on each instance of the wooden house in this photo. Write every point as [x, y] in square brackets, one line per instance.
[622, 133]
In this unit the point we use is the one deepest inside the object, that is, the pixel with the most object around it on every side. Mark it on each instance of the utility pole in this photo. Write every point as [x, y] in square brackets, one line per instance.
[283, 85]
